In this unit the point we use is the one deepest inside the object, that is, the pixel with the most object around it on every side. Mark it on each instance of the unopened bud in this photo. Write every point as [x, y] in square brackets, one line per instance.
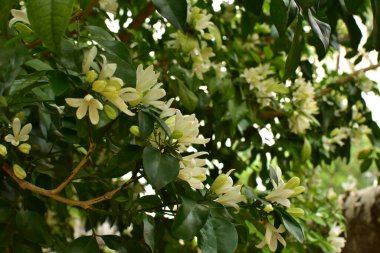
[91, 76]
[115, 82]
[222, 183]
[292, 183]
[268, 208]
[25, 148]
[135, 130]
[19, 171]
[110, 112]
[295, 212]
[306, 150]
[177, 134]
[99, 85]
[3, 150]
[297, 191]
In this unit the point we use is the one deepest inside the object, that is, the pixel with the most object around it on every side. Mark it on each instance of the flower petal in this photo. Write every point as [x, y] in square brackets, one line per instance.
[93, 113]
[16, 126]
[26, 129]
[82, 111]
[74, 102]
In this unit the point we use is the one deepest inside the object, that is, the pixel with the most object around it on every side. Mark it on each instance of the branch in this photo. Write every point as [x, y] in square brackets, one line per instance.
[137, 22]
[84, 160]
[349, 77]
[82, 13]
[25, 185]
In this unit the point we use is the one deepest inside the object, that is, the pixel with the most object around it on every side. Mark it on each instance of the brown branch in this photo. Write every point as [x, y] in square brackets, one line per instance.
[25, 185]
[349, 77]
[84, 160]
[137, 22]
[82, 13]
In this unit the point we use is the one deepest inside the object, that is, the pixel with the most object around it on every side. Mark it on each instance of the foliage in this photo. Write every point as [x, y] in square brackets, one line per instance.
[173, 127]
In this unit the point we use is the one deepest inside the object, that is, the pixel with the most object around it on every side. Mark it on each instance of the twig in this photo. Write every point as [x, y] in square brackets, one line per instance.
[84, 160]
[87, 204]
[137, 22]
[82, 13]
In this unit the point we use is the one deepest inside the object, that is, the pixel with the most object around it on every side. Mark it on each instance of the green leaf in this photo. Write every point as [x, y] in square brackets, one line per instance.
[365, 165]
[254, 6]
[115, 242]
[58, 82]
[49, 19]
[32, 227]
[99, 33]
[5, 10]
[291, 225]
[321, 29]
[38, 65]
[160, 168]
[188, 98]
[150, 201]
[307, 3]
[175, 11]
[279, 15]
[146, 124]
[162, 123]
[84, 244]
[273, 174]
[353, 5]
[294, 55]
[190, 218]
[123, 162]
[149, 235]
[218, 236]
[22, 246]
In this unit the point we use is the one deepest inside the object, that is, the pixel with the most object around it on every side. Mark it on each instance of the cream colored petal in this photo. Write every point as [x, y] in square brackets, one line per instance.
[10, 138]
[26, 129]
[16, 126]
[119, 103]
[154, 94]
[94, 115]
[88, 58]
[145, 79]
[261, 244]
[281, 240]
[281, 229]
[107, 71]
[18, 16]
[96, 103]
[130, 97]
[82, 110]
[273, 243]
[74, 102]
[24, 137]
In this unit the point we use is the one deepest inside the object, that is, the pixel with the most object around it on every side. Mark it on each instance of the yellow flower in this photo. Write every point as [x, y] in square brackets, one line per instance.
[88, 103]
[25, 148]
[19, 171]
[19, 134]
[272, 235]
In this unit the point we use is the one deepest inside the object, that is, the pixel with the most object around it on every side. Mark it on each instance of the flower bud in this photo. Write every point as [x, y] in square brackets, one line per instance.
[295, 212]
[297, 191]
[91, 76]
[306, 150]
[19, 171]
[222, 183]
[292, 183]
[135, 130]
[177, 134]
[110, 112]
[99, 85]
[3, 150]
[25, 148]
[268, 208]
[115, 82]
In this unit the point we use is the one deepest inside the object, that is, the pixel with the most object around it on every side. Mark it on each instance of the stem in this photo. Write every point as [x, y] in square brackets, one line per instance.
[82, 13]
[84, 160]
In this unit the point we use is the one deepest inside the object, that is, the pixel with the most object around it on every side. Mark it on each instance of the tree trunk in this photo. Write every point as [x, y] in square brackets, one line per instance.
[362, 212]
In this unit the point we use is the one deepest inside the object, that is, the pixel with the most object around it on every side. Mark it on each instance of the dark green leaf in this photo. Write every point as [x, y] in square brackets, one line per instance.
[99, 33]
[254, 6]
[307, 3]
[190, 218]
[115, 242]
[188, 98]
[49, 19]
[294, 55]
[5, 10]
[149, 233]
[84, 244]
[321, 29]
[353, 5]
[22, 246]
[146, 124]
[162, 123]
[218, 236]
[150, 201]
[32, 227]
[365, 165]
[123, 162]
[38, 65]
[175, 11]
[58, 82]
[160, 168]
[291, 225]
[279, 14]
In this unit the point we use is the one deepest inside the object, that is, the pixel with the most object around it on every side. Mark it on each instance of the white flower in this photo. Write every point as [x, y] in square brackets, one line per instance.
[231, 197]
[337, 242]
[199, 19]
[108, 69]
[272, 235]
[186, 128]
[19, 134]
[201, 61]
[193, 170]
[18, 16]
[223, 183]
[299, 123]
[109, 5]
[147, 91]
[88, 103]
[88, 58]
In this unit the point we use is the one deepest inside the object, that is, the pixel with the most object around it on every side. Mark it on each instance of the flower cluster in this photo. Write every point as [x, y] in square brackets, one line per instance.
[306, 106]
[196, 47]
[336, 241]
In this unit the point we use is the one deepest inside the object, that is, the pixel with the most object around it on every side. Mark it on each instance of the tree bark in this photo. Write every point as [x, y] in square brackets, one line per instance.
[362, 212]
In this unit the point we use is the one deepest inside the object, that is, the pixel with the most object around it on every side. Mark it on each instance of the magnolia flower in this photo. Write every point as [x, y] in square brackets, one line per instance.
[272, 235]
[109, 5]
[88, 59]
[88, 103]
[19, 134]
[18, 16]
[231, 197]
[147, 91]
[336, 242]
[186, 128]
[192, 170]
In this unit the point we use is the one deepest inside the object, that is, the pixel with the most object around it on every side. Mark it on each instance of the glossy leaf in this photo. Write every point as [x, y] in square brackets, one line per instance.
[160, 168]
[146, 124]
[58, 82]
[218, 236]
[294, 55]
[175, 11]
[321, 29]
[291, 225]
[32, 226]
[190, 218]
[49, 19]
[116, 243]
[22, 246]
[84, 244]
[279, 14]
[149, 232]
